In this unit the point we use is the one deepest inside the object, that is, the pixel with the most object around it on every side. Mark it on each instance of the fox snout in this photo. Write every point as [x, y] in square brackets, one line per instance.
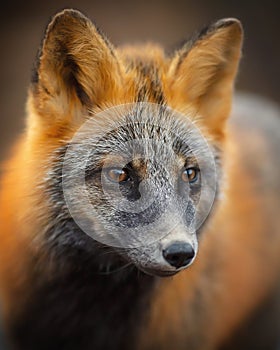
[173, 253]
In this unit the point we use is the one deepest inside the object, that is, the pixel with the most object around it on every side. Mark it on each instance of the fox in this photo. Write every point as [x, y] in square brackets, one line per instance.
[139, 209]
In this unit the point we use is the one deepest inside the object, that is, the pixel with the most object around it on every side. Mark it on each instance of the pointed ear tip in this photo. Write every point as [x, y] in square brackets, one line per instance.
[69, 12]
[65, 15]
[230, 23]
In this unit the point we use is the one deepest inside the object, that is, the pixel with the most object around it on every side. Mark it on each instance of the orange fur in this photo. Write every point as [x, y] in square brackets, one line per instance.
[201, 86]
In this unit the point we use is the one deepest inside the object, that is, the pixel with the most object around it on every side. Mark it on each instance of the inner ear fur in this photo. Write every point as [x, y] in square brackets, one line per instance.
[77, 66]
[202, 72]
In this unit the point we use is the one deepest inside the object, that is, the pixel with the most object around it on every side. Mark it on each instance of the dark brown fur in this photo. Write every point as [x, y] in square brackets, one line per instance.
[60, 288]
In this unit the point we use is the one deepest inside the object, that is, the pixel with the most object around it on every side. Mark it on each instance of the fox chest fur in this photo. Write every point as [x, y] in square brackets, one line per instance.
[133, 214]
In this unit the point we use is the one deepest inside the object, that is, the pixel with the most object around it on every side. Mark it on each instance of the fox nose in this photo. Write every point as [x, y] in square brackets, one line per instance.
[179, 254]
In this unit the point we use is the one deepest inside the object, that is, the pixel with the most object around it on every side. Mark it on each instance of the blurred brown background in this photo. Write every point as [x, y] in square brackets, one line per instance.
[169, 22]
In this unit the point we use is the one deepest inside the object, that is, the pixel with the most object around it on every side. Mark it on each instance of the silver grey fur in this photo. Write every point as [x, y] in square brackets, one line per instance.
[165, 212]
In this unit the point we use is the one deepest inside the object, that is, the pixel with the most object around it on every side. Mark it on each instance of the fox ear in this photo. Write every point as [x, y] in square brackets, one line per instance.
[202, 73]
[76, 70]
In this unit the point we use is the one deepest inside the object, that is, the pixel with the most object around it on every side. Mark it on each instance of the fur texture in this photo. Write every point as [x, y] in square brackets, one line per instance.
[62, 289]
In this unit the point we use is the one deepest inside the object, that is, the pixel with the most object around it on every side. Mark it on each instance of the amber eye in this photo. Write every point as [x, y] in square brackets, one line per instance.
[117, 175]
[190, 175]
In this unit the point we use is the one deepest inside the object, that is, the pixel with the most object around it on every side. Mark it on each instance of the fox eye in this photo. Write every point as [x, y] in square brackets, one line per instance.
[190, 175]
[117, 175]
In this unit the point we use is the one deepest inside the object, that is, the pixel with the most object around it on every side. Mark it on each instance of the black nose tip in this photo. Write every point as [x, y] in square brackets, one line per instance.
[179, 254]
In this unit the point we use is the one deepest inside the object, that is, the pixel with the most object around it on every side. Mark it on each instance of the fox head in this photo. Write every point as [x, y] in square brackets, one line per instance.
[129, 142]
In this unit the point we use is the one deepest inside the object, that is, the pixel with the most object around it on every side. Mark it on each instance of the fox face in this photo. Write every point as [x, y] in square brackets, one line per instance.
[136, 184]
[134, 139]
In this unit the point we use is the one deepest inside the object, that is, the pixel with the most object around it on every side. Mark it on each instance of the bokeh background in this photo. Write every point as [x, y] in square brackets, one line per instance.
[168, 22]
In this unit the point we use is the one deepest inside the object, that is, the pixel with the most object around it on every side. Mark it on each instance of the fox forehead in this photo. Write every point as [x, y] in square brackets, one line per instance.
[146, 132]
[146, 67]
